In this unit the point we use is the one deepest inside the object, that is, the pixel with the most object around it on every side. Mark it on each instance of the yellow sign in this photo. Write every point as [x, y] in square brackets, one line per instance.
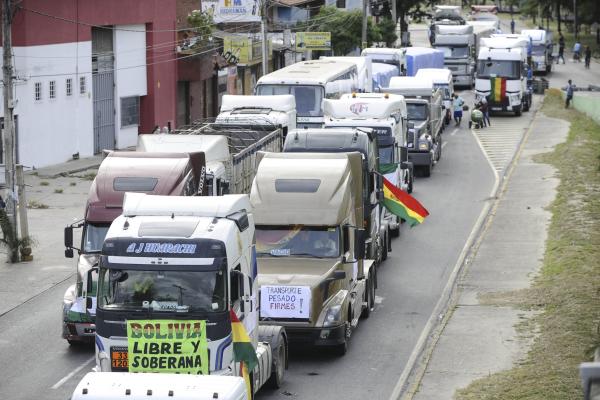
[313, 41]
[239, 47]
[172, 346]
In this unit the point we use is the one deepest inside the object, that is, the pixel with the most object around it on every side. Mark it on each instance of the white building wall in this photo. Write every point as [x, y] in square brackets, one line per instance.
[130, 76]
[51, 131]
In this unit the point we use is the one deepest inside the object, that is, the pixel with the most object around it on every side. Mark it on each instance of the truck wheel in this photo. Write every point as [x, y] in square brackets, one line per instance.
[279, 365]
[439, 152]
[427, 170]
[370, 293]
[385, 248]
[518, 111]
[342, 348]
[411, 179]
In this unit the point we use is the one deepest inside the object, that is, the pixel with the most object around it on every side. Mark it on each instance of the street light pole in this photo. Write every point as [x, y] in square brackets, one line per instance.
[265, 44]
[9, 127]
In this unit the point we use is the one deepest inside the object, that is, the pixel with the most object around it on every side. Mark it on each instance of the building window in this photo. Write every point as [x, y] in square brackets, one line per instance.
[38, 91]
[130, 111]
[82, 88]
[340, 3]
[52, 89]
[69, 86]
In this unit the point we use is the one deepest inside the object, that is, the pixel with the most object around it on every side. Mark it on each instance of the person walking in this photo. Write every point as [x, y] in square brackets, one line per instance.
[484, 107]
[588, 56]
[458, 103]
[561, 49]
[569, 94]
[512, 26]
[577, 51]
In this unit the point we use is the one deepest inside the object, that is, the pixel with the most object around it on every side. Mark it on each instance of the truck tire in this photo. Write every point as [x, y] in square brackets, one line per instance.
[518, 111]
[279, 365]
[385, 247]
[342, 348]
[370, 294]
[394, 233]
[439, 152]
[427, 171]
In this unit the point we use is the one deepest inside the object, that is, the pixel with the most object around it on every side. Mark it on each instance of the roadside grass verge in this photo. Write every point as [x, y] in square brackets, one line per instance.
[566, 293]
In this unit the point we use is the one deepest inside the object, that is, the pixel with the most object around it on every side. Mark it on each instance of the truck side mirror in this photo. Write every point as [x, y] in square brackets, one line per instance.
[69, 236]
[338, 275]
[88, 303]
[346, 238]
[237, 288]
[224, 187]
[403, 154]
[359, 243]
[380, 195]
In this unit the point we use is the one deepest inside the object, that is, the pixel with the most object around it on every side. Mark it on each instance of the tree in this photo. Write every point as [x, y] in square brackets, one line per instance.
[345, 27]
[387, 29]
[201, 23]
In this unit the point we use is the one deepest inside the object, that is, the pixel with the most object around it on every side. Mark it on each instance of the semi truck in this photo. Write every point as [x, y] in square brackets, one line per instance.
[541, 51]
[502, 74]
[120, 172]
[387, 56]
[457, 42]
[425, 109]
[443, 79]
[422, 57]
[444, 15]
[386, 115]
[230, 150]
[312, 273]
[272, 111]
[364, 141]
[174, 275]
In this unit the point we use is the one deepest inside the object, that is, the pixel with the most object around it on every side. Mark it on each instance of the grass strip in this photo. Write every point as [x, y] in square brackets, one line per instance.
[567, 291]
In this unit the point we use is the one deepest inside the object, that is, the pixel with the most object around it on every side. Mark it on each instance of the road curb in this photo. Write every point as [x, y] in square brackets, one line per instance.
[410, 379]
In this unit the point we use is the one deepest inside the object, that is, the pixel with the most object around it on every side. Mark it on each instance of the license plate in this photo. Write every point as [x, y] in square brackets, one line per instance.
[119, 359]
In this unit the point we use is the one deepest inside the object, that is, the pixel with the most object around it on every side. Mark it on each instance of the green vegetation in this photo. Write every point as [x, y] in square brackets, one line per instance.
[11, 240]
[72, 183]
[58, 191]
[566, 291]
[36, 205]
[44, 183]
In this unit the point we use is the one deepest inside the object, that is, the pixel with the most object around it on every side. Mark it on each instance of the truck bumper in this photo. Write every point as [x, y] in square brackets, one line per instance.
[329, 336]
[419, 157]
[79, 331]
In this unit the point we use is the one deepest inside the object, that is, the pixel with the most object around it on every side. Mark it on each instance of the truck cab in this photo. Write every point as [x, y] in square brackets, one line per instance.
[442, 78]
[387, 56]
[386, 115]
[502, 73]
[120, 172]
[541, 51]
[274, 111]
[425, 120]
[458, 44]
[184, 263]
[312, 273]
[364, 141]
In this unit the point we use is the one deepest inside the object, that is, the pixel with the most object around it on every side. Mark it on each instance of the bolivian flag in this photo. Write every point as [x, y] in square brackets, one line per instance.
[243, 350]
[403, 204]
[498, 89]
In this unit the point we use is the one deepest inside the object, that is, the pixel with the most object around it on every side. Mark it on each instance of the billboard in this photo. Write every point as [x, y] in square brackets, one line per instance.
[313, 41]
[231, 11]
[239, 47]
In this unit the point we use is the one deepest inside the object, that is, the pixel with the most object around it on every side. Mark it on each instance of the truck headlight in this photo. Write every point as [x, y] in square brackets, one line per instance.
[332, 313]
[423, 145]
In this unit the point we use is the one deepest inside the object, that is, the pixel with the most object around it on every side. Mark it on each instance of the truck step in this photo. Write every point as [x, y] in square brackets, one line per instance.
[354, 323]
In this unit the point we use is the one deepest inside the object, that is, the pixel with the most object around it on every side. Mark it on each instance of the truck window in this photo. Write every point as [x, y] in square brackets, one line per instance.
[166, 291]
[386, 155]
[93, 236]
[538, 50]
[454, 52]
[134, 184]
[235, 293]
[416, 111]
[297, 241]
[308, 98]
[501, 68]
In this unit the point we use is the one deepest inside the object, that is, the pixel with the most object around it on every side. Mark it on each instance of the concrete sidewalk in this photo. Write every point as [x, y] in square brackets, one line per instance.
[56, 196]
[481, 339]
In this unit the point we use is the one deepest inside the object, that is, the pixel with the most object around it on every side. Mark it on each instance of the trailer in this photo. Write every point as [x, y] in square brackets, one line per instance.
[422, 57]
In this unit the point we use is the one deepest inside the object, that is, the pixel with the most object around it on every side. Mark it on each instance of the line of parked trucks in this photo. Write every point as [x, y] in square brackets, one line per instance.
[274, 211]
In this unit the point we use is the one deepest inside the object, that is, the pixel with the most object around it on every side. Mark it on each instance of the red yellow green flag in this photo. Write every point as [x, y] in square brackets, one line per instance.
[243, 350]
[403, 204]
[498, 89]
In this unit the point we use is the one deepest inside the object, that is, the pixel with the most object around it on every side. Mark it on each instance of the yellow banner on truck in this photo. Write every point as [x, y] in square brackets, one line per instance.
[171, 346]
[313, 41]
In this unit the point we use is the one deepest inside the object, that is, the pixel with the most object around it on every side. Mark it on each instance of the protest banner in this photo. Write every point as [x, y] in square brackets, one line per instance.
[285, 301]
[171, 346]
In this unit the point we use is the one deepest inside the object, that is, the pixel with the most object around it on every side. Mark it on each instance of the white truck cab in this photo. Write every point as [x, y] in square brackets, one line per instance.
[502, 73]
[386, 114]
[390, 56]
[364, 67]
[442, 78]
[276, 110]
[541, 53]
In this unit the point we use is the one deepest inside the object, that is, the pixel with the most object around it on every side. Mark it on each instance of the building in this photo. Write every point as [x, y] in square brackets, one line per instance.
[91, 75]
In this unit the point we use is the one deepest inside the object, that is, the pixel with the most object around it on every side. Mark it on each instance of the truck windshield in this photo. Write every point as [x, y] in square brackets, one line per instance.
[538, 50]
[501, 68]
[93, 237]
[386, 154]
[308, 98]
[165, 291]
[454, 52]
[298, 240]
[416, 111]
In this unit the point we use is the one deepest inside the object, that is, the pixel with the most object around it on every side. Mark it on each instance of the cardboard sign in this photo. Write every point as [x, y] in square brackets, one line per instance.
[171, 346]
[285, 302]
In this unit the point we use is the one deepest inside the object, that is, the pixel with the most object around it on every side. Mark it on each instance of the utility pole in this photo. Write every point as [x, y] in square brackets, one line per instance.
[364, 25]
[265, 43]
[9, 127]
[575, 18]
